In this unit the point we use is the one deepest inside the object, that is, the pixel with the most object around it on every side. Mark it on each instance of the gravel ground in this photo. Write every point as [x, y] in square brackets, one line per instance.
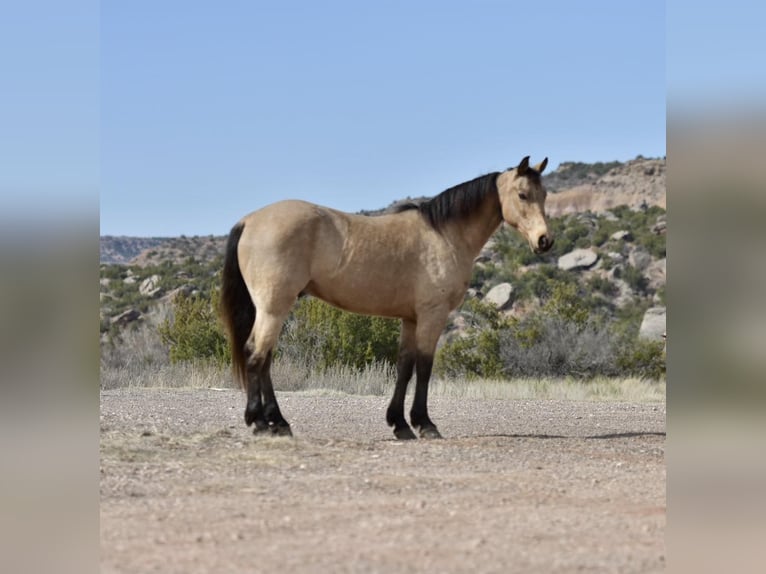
[515, 486]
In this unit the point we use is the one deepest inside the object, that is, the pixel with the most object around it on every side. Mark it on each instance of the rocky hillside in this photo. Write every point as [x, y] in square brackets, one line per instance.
[596, 188]
[155, 250]
[574, 187]
[123, 249]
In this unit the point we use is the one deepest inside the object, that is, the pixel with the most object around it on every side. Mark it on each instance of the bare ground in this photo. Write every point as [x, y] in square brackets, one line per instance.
[515, 486]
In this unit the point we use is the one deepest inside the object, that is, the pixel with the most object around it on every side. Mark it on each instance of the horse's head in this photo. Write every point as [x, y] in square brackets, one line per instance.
[522, 200]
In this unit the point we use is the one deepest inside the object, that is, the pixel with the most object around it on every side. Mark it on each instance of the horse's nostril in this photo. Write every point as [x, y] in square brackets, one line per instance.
[543, 242]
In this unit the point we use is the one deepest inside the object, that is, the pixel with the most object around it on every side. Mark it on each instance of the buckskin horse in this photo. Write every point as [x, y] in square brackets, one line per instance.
[413, 264]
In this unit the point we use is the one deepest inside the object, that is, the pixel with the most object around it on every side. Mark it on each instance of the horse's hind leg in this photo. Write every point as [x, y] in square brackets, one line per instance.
[274, 419]
[405, 364]
[254, 407]
[262, 408]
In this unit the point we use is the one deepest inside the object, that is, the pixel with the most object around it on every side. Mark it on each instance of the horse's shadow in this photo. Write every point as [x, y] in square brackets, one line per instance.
[607, 436]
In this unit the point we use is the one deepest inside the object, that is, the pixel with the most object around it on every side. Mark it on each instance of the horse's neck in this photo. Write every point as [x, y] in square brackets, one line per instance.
[471, 234]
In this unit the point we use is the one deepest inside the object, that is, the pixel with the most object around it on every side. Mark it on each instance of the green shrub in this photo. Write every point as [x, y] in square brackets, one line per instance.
[477, 353]
[566, 302]
[642, 358]
[635, 278]
[475, 356]
[195, 332]
[579, 170]
[325, 336]
[599, 284]
[565, 338]
[540, 282]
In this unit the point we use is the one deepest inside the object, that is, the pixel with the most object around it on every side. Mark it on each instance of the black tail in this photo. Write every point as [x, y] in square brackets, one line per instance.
[237, 309]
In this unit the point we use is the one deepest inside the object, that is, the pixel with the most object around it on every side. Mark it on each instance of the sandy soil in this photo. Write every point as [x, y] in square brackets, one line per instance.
[515, 486]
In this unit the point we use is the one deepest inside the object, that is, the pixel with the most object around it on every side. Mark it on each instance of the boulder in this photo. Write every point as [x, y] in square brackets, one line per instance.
[500, 295]
[617, 258]
[660, 226]
[186, 290]
[126, 317]
[150, 287]
[578, 259]
[587, 218]
[640, 259]
[622, 235]
[653, 324]
[624, 295]
[656, 273]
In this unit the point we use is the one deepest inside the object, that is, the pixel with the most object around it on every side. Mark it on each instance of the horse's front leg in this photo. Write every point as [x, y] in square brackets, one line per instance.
[427, 335]
[405, 364]
[419, 413]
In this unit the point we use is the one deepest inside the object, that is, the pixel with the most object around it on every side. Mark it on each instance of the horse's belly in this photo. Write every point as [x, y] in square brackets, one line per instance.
[365, 297]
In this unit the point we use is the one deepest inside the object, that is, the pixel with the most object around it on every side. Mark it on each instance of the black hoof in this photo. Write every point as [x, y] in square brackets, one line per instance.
[280, 429]
[404, 433]
[429, 433]
[254, 415]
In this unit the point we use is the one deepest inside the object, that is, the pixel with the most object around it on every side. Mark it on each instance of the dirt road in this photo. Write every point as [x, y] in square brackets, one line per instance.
[515, 486]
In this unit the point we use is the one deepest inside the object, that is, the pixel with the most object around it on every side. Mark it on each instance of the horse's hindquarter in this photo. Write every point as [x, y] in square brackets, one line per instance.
[275, 249]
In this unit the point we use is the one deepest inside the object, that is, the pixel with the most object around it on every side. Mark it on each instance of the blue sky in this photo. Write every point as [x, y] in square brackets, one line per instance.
[212, 110]
[179, 117]
[715, 57]
[183, 116]
[49, 109]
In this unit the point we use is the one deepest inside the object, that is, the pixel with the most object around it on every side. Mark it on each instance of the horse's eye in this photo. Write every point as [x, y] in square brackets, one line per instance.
[523, 196]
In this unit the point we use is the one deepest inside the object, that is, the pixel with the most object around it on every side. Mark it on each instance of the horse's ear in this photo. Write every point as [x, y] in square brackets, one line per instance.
[523, 166]
[541, 166]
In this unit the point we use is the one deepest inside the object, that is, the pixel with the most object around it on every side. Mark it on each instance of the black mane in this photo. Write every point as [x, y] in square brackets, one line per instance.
[456, 202]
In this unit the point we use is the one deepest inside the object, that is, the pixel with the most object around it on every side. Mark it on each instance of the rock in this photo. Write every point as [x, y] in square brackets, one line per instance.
[656, 272]
[583, 218]
[500, 295]
[624, 293]
[609, 216]
[622, 235]
[129, 280]
[653, 324]
[150, 286]
[660, 226]
[186, 290]
[578, 259]
[126, 317]
[617, 258]
[104, 281]
[640, 259]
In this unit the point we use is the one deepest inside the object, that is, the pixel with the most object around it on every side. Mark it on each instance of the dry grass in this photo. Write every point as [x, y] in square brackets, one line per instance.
[378, 380]
[599, 389]
[165, 376]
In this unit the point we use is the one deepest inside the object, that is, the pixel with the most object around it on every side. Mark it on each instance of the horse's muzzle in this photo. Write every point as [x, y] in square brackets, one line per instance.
[544, 243]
